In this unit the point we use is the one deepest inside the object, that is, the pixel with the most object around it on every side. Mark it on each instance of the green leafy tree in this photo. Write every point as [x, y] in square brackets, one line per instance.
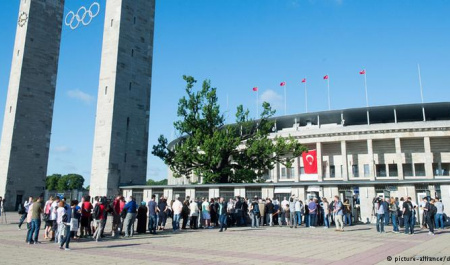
[51, 182]
[240, 152]
[156, 183]
[75, 181]
[63, 183]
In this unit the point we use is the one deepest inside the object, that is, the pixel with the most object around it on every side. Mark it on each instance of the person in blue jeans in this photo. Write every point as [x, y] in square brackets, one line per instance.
[393, 209]
[222, 211]
[439, 218]
[66, 240]
[152, 215]
[408, 216]
[380, 211]
[35, 222]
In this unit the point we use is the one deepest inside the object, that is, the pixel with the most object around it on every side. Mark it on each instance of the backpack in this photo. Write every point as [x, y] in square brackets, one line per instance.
[433, 210]
[96, 213]
[65, 218]
[21, 209]
[256, 208]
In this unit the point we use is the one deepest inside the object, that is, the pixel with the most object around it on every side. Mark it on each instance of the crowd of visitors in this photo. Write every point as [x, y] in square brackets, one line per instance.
[64, 220]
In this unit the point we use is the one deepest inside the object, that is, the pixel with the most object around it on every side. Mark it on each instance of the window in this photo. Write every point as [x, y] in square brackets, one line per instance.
[355, 172]
[419, 169]
[325, 171]
[445, 168]
[407, 170]
[301, 170]
[112, 21]
[283, 172]
[290, 173]
[381, 170]
[106, 90]
[366, 170]
[332, 171]
[393, 172]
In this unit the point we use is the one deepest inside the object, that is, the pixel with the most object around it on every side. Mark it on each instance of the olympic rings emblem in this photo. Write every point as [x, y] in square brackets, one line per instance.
[83, 16]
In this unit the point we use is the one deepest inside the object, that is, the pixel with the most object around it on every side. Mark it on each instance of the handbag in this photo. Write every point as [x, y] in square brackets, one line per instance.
[45, 217]
[73, 224]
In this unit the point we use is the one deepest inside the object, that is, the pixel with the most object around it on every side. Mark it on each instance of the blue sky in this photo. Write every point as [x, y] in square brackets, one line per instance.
[239, 44]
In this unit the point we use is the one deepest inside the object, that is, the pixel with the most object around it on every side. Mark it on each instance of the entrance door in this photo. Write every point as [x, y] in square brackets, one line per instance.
[420, 196]
[19, 199]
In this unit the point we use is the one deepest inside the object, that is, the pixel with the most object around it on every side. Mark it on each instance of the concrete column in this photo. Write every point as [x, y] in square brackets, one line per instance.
[239, 192]
[147, 195]
[127, 193]
[168, 193]
[428, 158]
[344, 161]
[267, 192]
[276, 173]
[399, 158]
[371, 164]
[445, 196]
[366, 195]
[319, 161]
[296, 166]
[190, 193]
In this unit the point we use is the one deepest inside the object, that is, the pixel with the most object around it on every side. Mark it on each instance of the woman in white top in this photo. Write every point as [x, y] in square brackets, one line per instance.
[59, 221]
[194, 212]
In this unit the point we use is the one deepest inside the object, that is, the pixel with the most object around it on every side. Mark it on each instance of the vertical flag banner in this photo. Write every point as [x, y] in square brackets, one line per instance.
[306, 95]
[283, 84]
[255, 89]
[363, 72]
[328, 89]
[310, 162]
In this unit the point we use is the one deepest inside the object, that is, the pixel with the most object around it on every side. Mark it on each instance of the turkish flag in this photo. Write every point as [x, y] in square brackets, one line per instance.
[325, 77]
[310, 162]
[363, 72]
[304, 80]
[255, 88]
[282, 83]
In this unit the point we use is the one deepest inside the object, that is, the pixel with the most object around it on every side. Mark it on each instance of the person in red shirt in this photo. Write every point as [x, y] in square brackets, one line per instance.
[116, 216]
[99, 219]
[85, 221]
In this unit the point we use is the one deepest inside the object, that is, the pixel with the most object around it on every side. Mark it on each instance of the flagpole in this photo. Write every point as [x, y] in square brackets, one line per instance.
[328, 85]
[420, 83]
[365, 88]
[257, 103]
[306, 98]
[285, 108]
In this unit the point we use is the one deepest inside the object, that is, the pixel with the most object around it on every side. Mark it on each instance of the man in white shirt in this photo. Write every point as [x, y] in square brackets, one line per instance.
[439, 218]
[53, 216]
[177, 207]
[26, 206]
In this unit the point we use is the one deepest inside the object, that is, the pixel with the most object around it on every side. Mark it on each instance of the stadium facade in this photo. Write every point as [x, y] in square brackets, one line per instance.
[395, 151]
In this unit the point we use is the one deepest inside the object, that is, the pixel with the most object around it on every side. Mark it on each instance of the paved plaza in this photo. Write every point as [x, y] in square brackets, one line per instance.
[358, 244]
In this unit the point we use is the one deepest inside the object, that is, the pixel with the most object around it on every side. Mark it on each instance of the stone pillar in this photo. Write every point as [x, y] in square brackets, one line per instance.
[190, 193]
[319, 162]
[239, 192]
[168, 193]
[445, 196]
[213, 193]
[371, 163]
[344, 161]
[428, 158]
[267, 192]
[366, 196]
[147, 195]
[399, 158]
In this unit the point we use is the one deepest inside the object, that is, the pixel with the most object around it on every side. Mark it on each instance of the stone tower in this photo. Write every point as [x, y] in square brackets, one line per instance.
[29, 104]
[123, 107]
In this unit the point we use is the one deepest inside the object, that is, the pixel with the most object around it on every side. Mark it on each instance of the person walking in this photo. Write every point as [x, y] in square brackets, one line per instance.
[25, 207]
[338, 214]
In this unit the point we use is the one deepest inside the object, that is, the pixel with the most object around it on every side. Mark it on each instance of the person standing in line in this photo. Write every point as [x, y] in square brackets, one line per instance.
[26, 206]
[347, 213]
[439, 219]
[262, 211]
[59, 220]
[35, 221]
[429, 212]
[338, 214]
[131, 208]
[152, 212]
[222, 211]
[47, 213]
[99, 217]
[185, 214]
[194, 213]
[68, 213]
[52, 218]
[380, 211]
[408, 216]
[142, 218]
[393, 209]
[312, 206]
[177, 208]
[269, 212]
[29, 223]
[116, 217]
[162, 213]
[276, 211]
[326, 213]
[206, 214]
[386, 203]
[254, 213]
[292, 213]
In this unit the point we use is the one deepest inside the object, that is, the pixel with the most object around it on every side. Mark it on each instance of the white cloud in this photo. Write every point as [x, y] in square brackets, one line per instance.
[61, 149]
[272, 97]
[80, 95]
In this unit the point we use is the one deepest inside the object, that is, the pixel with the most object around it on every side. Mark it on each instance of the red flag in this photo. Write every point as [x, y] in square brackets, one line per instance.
[363, 72]
[282, 83]
[304, 80]
[255, 88]
[325, 77]
[310, 162]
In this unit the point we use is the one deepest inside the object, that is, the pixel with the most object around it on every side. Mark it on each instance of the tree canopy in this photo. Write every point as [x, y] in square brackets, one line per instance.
[235, 153]
[66, 182]
[157, 183]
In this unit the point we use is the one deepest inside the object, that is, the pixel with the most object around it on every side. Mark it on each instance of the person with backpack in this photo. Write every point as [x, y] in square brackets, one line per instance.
[99, 218]
[254, 213]
[23, 210]
[68, 213]
[393, 209]
[85, 220]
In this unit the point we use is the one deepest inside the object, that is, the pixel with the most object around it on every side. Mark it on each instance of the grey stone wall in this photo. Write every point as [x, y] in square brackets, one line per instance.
[29, 104]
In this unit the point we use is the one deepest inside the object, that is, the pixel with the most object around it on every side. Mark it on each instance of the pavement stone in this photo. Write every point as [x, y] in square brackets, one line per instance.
[358, 244]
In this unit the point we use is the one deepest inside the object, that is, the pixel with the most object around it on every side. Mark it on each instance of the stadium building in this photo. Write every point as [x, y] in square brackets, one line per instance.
[361, 153]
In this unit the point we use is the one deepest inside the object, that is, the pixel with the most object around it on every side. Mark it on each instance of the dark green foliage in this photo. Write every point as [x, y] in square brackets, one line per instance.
[66, 182]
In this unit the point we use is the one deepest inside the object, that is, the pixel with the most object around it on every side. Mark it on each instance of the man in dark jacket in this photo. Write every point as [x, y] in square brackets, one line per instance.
[269, 212]
[222, 212]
